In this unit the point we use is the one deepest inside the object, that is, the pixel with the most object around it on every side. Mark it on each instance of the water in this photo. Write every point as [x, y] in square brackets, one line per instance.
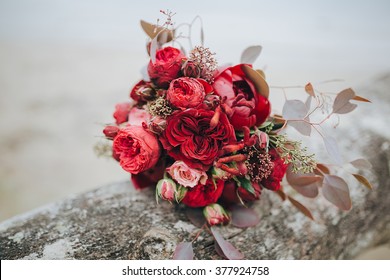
[65, 63]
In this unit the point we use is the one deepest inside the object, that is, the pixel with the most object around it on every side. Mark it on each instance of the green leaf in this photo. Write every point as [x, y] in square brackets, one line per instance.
[246, 184]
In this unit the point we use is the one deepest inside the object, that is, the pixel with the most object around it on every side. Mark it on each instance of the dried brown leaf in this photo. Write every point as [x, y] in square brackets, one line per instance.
[261, 72]
[303, 209]
[260, 84]
[306, 184]
[152, 31]
[281, 194]
[309, 89]
[363, 180]
[362, 99]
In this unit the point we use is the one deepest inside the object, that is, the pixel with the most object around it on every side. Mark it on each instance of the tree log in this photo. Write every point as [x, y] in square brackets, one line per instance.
[118, 222]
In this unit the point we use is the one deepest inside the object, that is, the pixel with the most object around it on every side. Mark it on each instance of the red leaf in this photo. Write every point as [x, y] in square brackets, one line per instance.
[361, 163]
[303, 209]
[196, 217]
[227, 248]
[341, 104]
[184, 251]
[310, 90]
[250, 54]
[243, 217]
[336, 190]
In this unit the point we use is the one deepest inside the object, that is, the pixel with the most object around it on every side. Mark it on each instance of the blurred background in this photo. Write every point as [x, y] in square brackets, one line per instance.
[64, 64]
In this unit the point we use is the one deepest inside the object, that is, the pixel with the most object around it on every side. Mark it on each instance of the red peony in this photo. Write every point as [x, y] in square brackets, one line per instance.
[189, 137]
[272, 182]
[122, 111]
[202, 195]
[249, 107]
[185, 93]
[166, 67]
[136, 148]
[232, 191]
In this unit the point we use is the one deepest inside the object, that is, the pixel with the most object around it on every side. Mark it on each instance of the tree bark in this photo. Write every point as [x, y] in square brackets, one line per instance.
[118, 222]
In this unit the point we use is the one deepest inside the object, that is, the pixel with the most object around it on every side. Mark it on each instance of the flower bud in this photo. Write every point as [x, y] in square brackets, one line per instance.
[166, 189]
[180, 193]
[191, 69]
[215, 214]
[110, 131]
[219, 174]
[157, 125]
[143, 91]
[262, 139]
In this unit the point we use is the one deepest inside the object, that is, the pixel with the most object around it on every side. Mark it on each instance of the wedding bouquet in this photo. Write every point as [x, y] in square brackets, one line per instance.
[204, 136]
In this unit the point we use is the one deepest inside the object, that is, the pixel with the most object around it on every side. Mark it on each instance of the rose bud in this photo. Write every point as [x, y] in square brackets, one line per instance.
[110, 131]
[142, 91]
[215, 214]
[262, 139]
[191, 69]
[180, 193]
[220, 174]
[166, 189]
[157, 125]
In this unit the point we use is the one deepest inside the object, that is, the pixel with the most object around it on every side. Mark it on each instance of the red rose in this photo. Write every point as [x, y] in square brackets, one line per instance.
[166, 67]
[142, 91]
[122, 111]
[185, 93]
[232, 191]
[248, 106]
[272, 182]
[137, 149]
[202, 195]
[189, 137]
[150, 177]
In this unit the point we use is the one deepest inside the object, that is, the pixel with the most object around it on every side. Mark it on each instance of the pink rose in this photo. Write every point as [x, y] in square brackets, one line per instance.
[185, 93]
[166, 67]
[138, 116]
[122, 111]
[136, 148]
[186, 176]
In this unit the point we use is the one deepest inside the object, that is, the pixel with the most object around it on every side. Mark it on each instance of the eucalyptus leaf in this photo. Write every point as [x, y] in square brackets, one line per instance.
[243, 217]
[341, 104]
[250, 54]
[227, 248]
[336, 190]
[333, 149]
[361, 163]
[184, 251]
